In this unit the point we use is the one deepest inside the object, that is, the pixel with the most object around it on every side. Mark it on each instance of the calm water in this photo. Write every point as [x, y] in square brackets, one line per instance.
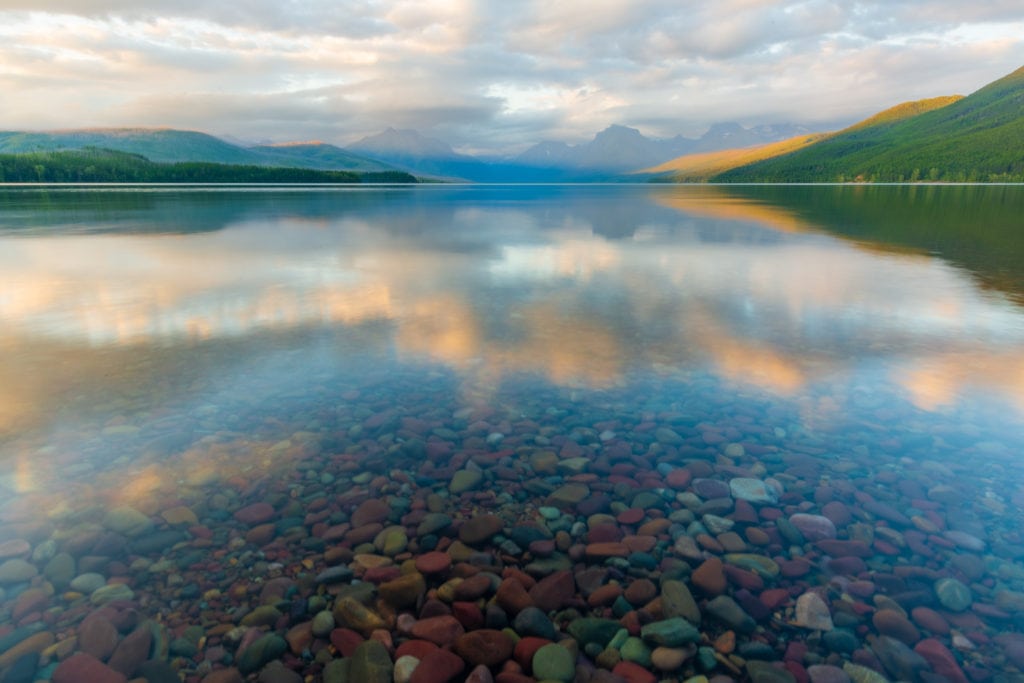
[173, 357]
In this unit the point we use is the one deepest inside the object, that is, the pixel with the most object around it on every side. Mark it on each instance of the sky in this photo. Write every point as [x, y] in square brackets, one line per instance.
[489, 77]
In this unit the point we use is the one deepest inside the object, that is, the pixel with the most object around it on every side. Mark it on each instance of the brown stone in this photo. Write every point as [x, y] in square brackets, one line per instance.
[370, 511]
[84, 668]
[132, 651]
[480, 528]
[441, 631]
[600, 551]
[512, 596]
[485, 646]
[709, 577]
[554, 591]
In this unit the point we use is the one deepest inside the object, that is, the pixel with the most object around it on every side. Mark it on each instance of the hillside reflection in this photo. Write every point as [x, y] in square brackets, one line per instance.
[491, 285]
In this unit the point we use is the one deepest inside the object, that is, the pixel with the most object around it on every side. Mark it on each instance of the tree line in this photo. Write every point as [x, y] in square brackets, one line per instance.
[96, 165]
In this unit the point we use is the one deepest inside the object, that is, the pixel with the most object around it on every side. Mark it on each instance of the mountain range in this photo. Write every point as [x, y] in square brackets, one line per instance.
[613, 151]
[975, 138]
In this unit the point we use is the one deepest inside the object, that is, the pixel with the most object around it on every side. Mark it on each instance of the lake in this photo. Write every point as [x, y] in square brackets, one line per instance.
[508, 434]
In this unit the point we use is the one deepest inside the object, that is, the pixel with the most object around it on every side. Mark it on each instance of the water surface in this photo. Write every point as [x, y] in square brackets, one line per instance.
[209, 349]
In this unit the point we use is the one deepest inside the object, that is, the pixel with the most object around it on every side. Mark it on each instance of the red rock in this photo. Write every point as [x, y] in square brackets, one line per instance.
[371, 511]
[773, 598]
[254, 514]
[513, 677]
[363, 534]
[512, 597]
[485, 646]
[709, 577]
[941, 660]
[261, 534]
[640, 592]
[605, 595]
[526, 648]
[345, 641]
[442, 630]
[889, 622]
[299, 637]
[840, 548]
[600, 551]
[604, 533]
[437, 666]
[84, 668]
[468, 614]
[480, 528]
[743, 578]
[930, 620]
[433, 563]
[679, 478]
[132, 651]
[414, 648]
[473, 588]
[30, 600]
[630, 516]
[231, 675]
[98, 637]
[846, 566]
[554, 591]
[634, 673]
[794, 568]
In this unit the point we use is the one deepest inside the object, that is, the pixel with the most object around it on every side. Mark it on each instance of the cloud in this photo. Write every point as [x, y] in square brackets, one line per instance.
[495, 76]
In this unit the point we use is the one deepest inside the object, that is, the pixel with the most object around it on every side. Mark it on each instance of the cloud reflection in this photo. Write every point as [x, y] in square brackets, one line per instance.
[748, 291]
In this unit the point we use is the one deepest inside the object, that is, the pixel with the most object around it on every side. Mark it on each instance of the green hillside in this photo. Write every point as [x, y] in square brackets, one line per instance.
[318, 155]
[94, 165]
[168, 146]
[977, 138]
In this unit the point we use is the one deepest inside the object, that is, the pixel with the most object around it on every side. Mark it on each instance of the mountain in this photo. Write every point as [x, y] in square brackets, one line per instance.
[168, 146]
[319, 155]
[974, 138]
[619, 148]
[411, 151]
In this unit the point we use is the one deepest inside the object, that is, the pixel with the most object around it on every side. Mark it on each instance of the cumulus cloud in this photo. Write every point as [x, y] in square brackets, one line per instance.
[489, 76]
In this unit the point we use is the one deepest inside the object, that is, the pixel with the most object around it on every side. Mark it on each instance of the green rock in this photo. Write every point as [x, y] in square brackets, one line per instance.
[128, 521]
[17, 571]
[353, 614]
[553, 663]
[759, 564]
[677, 601]
[706, 658]
[404, 591]
[766, 672]
[634, 650]
[594, 630]
[264, 615]
[432, 523]
[572, 466]
[569, 494]
[619, 640]
[667, 436]
[671, 632]
[465, 480]
[728, 611]
[645, 500]
[371, 663]
[60, 570]
[337, 671]
[266, 649]
[111, 593]
[395, 541]
[953, 595]
[862, 674]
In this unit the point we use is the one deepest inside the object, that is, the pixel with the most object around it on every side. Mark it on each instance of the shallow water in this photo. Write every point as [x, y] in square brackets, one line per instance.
[201, 387]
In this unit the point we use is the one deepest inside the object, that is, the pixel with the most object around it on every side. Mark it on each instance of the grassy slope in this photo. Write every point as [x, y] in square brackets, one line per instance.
[974, 138]
[699, 167]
